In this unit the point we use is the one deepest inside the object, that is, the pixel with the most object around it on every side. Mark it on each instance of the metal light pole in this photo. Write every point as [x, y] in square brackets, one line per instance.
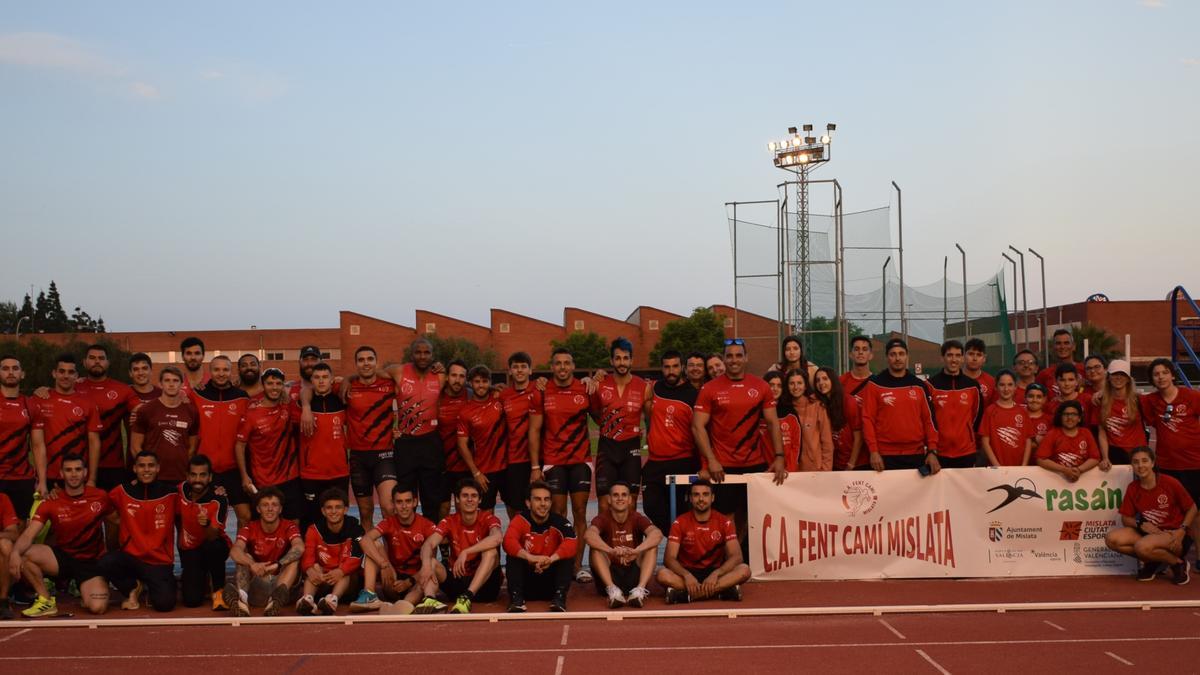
[19, 326]
[945, 295]
[900, 224]
[1044, 349]
[883, 280]
[966, 323]
[1024, 294]
[1014, 295]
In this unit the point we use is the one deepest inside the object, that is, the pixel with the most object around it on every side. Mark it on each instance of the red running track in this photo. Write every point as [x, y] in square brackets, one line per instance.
[1063, 642]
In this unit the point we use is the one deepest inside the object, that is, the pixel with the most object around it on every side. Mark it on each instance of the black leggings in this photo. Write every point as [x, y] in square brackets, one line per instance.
[124, 571]
[203, 571]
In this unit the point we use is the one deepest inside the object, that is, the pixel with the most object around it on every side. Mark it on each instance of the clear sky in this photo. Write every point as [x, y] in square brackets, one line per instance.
[217, 165]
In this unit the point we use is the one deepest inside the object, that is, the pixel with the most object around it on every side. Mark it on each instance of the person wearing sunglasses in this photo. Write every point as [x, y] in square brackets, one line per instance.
[1174, 414]
[1069, 448]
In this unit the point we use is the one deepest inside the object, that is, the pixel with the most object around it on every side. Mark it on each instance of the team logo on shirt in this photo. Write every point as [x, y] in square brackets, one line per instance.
[171, 436]
[606, 395]
[888, 398]
[1009, 435]
[95, 507]
[579, 399]
[160, 508]
[753, 393]
[111, 395]
[912, 393]
[1082, 444]
[406, 388]
[1163, 501]
[232, 407]
[962, 398]
[77, 411]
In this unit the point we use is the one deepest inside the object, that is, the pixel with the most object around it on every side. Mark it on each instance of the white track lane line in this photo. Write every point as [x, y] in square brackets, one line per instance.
[558, 668]
[19, 633]
[933, 663]
[1054, 625]
[1128, 663]
[566, 632]
[893, 629]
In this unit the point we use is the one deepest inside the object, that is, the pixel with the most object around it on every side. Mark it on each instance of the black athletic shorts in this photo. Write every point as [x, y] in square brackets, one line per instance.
[964, 462]
[452, 480]
[1189, 478]
[232, 482]
[516, 485]
[455, 586]
[730, 498]
[74, 568]
[420, 465]
[701, 573]
[624, 577]
[900, 462]
[108, 478]
[370, 468]
[618, 460]
[20, 493]
[569, 478]
[293, 500]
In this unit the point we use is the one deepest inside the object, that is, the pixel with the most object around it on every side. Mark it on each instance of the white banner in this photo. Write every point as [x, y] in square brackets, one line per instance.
[1010, 522]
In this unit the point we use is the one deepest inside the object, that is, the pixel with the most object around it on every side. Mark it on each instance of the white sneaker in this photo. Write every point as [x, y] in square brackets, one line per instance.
[327, 605]
[583, 576]
[637, 597]
[306, 606]
[615, 598]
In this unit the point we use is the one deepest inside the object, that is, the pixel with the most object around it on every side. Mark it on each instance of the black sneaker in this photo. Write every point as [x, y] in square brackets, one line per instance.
[676, 596]
[559, 603]
[733, 593]
[516, 605]
[1179, 573]
[6, 612]
[1148, 570]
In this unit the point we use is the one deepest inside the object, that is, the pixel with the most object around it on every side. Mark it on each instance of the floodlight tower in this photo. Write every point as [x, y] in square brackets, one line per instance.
[801, 153]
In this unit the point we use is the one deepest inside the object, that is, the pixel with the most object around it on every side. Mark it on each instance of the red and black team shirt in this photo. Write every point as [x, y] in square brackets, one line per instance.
[1176, 428]
[369, 415]
[191, 533]
[333, 550]
[147, 512]
[323, 454]
[1165, 504]
[114, 401]
[958, 400]
[564, 412]
[449, 408]
[65, 420]
[268, 547]
[403, 542]
[484, 425]
[270, 444]
[142, 399]
[987, 386]
[554, 535]
[735, 408]
[670, 435]
[619, 414]
[220, 411]
[417, 401]
[16, 420]
[702, 545]
[898, 415]
[77, 522]
[517, 404]
[462, 537]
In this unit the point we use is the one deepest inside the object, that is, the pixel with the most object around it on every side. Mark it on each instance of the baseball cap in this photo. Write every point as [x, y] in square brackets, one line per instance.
[895, 342]
[310, 350]
[1119, 366]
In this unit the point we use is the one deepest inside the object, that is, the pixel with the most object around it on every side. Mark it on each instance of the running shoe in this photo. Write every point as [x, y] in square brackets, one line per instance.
[366, 601]
[132, 601]
[6, 612]
[1148, 570]
[677, 597]
[637, 597]
[235, 599]
[1179, 573]
[516, 605]
[461, 606]
[733, 594]
[558, 603]
[328, 605]
[218, 601]
[583, 576]
[429, 605]
[306, 606]
[279, 599]
[616, 598]
[41, 607]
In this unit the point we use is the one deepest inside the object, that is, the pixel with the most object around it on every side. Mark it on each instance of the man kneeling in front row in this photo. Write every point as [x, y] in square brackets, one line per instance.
[624, 544]
[703, 558]
[541, 553]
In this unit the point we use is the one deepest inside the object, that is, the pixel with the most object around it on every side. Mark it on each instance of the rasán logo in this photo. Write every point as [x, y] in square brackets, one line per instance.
[1023, 488]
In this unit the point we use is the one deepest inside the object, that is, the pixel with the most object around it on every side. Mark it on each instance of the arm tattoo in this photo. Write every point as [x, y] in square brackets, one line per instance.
[290, 557]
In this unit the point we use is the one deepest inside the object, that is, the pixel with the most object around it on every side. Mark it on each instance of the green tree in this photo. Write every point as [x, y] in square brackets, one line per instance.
[589, 349]
[8, 317]
[37, 357]
[447, 349]
[56, 316]
[703, 331]
[26, 308]
[822, 347]
[1100, 341]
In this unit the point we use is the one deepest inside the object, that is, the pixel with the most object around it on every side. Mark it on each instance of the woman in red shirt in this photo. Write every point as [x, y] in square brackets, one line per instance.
[1156, 513]
[1118, 416]
[845, 420]
[1005, 430]
[1068, 449]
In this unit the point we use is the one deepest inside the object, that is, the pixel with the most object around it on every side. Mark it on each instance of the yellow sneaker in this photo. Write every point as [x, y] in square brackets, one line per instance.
[43, 606]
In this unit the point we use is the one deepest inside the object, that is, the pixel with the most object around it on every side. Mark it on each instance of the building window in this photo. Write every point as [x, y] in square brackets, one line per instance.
[431, 328]
[354, 329]
[653, 324]
[324, 356]
[728, 322]
[274, 356]
[578, 324]
[505, 328]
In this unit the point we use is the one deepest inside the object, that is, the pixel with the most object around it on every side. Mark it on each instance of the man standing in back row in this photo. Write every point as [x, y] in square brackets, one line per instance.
[898, 416]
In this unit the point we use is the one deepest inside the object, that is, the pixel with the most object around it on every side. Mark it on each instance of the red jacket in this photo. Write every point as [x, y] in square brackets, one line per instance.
[333, 549]
[898, 415]
[553, 536]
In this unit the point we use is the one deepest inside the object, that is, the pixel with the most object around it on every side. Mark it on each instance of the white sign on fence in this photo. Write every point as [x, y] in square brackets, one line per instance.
[1009, 522]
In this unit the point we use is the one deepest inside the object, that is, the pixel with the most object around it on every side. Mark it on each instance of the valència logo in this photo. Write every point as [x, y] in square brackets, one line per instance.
[1022, 488]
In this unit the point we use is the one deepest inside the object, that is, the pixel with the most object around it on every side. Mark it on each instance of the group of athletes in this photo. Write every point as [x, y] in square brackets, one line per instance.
[101, 481]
